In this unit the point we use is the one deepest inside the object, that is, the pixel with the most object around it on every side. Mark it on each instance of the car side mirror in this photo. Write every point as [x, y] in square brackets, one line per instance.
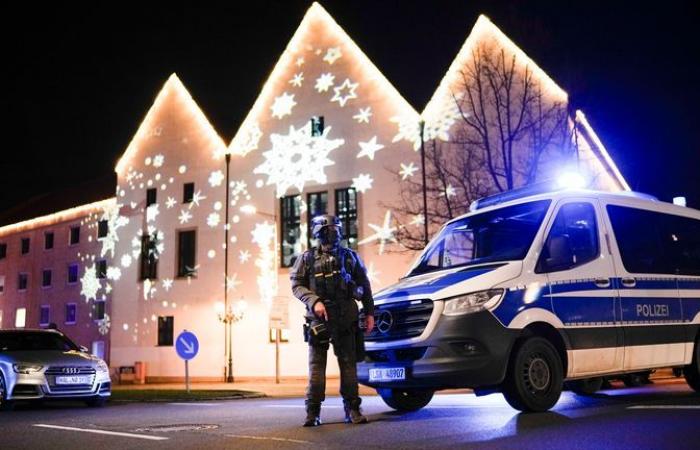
[561, 256]
[84, 349]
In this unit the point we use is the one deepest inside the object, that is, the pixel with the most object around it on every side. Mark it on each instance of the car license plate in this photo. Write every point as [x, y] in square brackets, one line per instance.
[387, 374]
[73, 380]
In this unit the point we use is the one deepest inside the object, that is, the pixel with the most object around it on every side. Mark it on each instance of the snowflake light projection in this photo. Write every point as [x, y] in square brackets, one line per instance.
[324, 82]
[114, 222]
[344, 92]
[407, 170]
[167, 284]
[372, 273]
[264, 237]
[283, 105]
[243, 256]
[158, 160]
[250, 139]
[332, 54]
[296, 158]
[369, 148]
[383, 234]
[450, 191]
[216, 178]
[362, 183]
[104, 325]
[297, 80]
[126, 261]
[90, 283]
[170, 203]
[152, 212]
[196, 198]
[233, 282]
[418, 219]
[409, 130]
[239, 188]
[364, 115]
[440, 123]
[213, 220]
[114, 273]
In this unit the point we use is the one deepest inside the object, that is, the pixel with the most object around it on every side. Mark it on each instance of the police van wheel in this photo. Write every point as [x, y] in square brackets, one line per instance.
[692, 372]
[587, 386]
[406, 399]
[534, 379]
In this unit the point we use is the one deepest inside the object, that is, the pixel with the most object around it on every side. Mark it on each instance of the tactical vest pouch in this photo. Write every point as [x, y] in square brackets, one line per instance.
[319, 335]
[306, 331]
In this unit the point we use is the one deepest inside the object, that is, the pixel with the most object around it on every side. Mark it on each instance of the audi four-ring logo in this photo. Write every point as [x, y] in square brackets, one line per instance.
[385, 321]
[70, 370]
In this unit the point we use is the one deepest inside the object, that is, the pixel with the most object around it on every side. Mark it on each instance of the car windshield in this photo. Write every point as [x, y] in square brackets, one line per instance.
[503, 234]
[28, 341]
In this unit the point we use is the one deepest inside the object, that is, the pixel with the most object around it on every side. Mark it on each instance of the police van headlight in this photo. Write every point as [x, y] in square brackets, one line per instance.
[471, 303]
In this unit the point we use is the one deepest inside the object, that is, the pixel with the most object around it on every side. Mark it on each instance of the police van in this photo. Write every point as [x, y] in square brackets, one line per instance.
[532, 289]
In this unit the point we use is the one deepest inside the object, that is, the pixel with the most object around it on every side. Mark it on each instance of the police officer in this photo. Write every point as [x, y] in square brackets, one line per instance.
[328, 279]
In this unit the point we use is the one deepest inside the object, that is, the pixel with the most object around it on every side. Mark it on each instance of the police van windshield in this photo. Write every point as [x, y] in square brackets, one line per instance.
[504, 234]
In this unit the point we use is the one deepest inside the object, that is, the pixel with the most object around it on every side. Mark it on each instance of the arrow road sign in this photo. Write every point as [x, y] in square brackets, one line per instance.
[187, 345]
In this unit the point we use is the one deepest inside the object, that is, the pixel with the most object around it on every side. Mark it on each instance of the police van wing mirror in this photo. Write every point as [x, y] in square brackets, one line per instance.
[561, 256]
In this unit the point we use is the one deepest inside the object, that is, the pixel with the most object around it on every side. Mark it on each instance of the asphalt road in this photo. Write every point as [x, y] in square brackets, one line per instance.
[663, 415]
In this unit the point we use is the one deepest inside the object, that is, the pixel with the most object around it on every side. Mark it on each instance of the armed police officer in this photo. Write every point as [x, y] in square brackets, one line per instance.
[328, 279]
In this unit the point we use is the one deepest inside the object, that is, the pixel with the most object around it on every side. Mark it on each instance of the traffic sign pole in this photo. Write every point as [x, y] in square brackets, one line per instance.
[187, 375]
[187, 347]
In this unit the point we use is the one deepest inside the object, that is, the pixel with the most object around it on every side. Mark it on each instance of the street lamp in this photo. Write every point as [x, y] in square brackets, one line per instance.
[425, 192]
[228, 315]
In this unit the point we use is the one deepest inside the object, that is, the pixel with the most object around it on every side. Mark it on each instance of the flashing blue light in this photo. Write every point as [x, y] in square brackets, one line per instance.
[571, 180]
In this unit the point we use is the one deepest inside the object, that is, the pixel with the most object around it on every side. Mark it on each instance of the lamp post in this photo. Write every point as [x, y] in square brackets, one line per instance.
[228, 315]
[229, 375]
[425, 193]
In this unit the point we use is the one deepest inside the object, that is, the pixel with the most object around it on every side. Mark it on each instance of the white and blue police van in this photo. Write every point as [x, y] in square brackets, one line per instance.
[529, 290]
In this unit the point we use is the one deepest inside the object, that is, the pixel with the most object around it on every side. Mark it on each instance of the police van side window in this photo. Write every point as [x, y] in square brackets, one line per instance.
[685, 247]
[572, 241]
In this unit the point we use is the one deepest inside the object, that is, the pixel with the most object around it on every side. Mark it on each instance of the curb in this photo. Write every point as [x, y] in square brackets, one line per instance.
[191, 400]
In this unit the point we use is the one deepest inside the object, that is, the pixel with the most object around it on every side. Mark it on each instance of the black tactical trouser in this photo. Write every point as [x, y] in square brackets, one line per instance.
[344, 349]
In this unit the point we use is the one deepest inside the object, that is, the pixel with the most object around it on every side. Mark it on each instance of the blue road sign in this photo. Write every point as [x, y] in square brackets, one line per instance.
[187, 345]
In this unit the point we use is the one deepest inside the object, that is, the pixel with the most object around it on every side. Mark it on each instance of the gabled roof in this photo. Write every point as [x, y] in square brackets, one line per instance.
[172, 92]
[315, 19]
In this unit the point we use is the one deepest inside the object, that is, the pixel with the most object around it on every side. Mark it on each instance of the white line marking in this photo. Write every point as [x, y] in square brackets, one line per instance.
[193, 404]
[265, 438]
[111, 433]
[664, 407]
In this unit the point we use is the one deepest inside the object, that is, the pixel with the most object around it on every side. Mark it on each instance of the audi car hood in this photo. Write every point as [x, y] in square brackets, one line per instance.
[50, 358]
[451, 282]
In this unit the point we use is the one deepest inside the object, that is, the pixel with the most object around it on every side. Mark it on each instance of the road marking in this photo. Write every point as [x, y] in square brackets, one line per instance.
[664, 407]
[111, 433]
[267, 438]
[193, 404]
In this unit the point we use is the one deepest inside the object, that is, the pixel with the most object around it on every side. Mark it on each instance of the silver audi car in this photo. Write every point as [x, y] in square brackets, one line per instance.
[45, 364]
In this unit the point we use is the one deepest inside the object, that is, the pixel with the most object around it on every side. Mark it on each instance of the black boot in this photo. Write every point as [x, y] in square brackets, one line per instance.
[313, 415]
[353, 414]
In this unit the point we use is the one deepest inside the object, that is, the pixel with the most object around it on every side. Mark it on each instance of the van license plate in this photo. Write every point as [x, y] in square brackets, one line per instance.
[73, 380]
[387, 374]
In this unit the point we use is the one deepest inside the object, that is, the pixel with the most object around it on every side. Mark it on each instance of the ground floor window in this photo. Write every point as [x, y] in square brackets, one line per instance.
[44, 315]
[71, 310]
[165, 331]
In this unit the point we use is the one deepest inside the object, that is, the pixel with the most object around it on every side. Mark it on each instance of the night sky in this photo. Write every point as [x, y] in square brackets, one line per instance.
[81, 76]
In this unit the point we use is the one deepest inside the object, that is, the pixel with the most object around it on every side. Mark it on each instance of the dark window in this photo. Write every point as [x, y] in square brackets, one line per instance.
[151, 196]
[22, 281]
[317, 126]
[101, 269]
[99, 309]
[685, 247]
[317, 205]
[187, 192]
[290, 247]
[149, 258]
[346, 210]
[48, 241]
[44, 315]
[102, 228]
[186, 251]
[165, 330]
[72, 273]
[3, 250]
[46, 278]
[639, 237]
[74, 235]
[25, 246]
[2, 289]
[572, 240]
[71, 312]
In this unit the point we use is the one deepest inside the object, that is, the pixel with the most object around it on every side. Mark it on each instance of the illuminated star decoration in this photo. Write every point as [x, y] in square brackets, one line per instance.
[184, 217]
[300, 61]
[232, 282]
[213, 220]
[167, 284]
[369, 148]
[407, 170]
[383, 234]
[297, 79]
[283, 105]
[152, 213]
[418, 219]
[196, 198]
[90, 283]
[170, 202]
[324, 82]
[438, 125]
[363, 115]
[347, 86]
[332, 55]
[372, 273]
[409, 130]
[449, 191]
[104, 325]
[114, 222]
[296, 158]
[158, 160]
[243, 256]
[216, 178]
[362, 183]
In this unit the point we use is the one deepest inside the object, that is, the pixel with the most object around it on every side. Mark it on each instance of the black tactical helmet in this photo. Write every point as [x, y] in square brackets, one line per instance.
[319, 222]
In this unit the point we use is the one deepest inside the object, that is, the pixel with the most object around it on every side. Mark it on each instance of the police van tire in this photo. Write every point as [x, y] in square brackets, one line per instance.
[587, 386]
[406, 399]
[534, 380]
[692, 372]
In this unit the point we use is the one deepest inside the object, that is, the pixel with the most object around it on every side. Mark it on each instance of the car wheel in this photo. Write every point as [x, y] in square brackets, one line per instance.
[406, 399]
[692, 371]
[5, 404]
[96, 402]
[534, 379]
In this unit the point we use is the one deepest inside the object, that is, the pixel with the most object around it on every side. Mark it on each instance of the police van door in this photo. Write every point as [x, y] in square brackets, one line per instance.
[650, 305]
[580, 274]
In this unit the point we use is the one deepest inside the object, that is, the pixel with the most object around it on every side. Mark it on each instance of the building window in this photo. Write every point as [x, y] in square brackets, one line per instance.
[44, 313]
[3, 250]
[102, 228]
[25, 246]
[71, 312]
[149, 258]
[74, 235]
[22, 281]
[101, 269]
[46, 278]
[165, 331]
[99, 309]
[317, 205]
[151, 196]
[346, 210]
[290, 245]
[20, 317]
[98, 349]
[186, 252]
[187, 192]
[2, 284]
[48, 240]
[72, 273]
[316, 126]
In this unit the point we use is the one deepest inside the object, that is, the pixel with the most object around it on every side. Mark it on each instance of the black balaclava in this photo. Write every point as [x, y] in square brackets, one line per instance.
[329, 237]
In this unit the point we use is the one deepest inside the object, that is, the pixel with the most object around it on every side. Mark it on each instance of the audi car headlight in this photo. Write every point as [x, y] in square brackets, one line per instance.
[471, 303]
[26, 368]
[102, 366]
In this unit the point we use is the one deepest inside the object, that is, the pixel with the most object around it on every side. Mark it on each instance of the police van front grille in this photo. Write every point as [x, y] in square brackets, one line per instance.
[400, 320]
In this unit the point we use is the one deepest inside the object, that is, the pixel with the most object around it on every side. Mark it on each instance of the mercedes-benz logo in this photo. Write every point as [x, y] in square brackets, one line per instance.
[70, 370]
[385, 321]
